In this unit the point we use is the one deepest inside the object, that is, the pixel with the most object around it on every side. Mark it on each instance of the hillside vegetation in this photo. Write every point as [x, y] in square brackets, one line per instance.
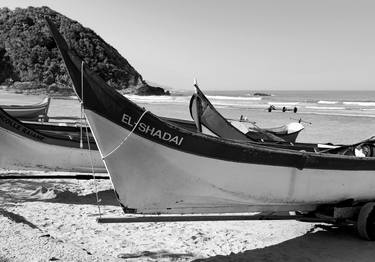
[31, 62]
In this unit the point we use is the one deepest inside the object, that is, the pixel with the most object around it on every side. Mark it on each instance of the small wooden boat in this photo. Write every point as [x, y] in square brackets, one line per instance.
[204, 113]
[289, 132]
[29, 112]
[159, 168]
[59, 149]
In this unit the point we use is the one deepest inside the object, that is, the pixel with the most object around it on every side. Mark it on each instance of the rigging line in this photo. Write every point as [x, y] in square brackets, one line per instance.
[124, 140]
[98, 200]
[81, 129]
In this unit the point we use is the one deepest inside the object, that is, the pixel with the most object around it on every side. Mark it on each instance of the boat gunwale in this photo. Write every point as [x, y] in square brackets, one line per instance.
[40, 105]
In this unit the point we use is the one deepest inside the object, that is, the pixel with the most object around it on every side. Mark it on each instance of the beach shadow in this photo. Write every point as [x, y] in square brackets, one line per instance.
[19, 191]
[16, 218]
[156, 255]
[16, 190]
[331, 244]
[106, 197]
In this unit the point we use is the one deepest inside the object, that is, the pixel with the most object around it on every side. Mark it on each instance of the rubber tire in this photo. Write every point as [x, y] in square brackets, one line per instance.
[366, 221]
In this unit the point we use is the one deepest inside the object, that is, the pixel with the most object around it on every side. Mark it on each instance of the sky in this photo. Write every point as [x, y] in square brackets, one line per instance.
[235, 44]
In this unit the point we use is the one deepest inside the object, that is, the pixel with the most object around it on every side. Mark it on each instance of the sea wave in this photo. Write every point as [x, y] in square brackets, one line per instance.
[159, 99]
[330, 113]
[217, 100]
[224, 104]
[325, 107]
[359, 103]
[248, 98]
[242, 102]
[327, 102]
[283, 103]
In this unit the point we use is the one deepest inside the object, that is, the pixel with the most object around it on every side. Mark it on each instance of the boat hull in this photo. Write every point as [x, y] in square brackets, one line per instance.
[28, 112]
[19, 152]
[153, 178]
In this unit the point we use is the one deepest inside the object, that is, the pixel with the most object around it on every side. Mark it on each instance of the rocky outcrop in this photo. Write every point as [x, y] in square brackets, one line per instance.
[28, 54]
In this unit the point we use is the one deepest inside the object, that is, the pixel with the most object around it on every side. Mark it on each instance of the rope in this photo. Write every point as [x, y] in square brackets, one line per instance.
[81, 131]
[124, 140]
[98, 200]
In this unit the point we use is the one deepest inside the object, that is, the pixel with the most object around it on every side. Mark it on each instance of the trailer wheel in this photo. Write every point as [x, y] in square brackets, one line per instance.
[366, 221]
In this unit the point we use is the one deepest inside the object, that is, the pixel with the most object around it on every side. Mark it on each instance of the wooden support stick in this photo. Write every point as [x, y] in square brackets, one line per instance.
[78, 177]
[189, 218]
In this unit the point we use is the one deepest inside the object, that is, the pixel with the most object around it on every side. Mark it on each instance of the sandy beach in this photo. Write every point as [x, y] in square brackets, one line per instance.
[55, 220]
[44, 220]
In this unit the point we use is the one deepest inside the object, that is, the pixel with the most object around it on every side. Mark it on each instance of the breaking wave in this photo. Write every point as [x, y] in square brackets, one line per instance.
[283, 103]
[325, 107]
[359, 103]
[329, 106]
[159, 99]
[248, 98]
[327, 102]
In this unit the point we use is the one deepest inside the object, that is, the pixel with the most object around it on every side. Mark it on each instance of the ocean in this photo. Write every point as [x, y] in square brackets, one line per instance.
[341, 117]
[350, 103]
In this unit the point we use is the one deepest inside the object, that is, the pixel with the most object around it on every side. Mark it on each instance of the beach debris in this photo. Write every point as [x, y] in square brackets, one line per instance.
[88, 252]
[46, 235]
[43, 192]
[300, 120]
[40, 189]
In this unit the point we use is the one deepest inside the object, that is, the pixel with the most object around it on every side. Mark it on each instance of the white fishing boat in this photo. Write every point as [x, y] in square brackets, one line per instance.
[23, 147]
[29, 112]
[159, 168]
[204, 113]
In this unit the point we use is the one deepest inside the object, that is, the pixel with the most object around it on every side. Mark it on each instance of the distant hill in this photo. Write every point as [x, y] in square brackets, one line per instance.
[31, 62]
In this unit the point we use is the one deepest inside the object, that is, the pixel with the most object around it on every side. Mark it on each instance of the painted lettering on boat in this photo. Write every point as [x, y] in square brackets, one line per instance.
[19, 127]
[152, 131]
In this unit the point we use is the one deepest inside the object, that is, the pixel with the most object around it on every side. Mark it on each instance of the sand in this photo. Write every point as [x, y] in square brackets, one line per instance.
[55, 220]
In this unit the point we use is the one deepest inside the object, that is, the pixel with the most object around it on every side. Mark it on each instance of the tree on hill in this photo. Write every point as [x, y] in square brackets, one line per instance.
[28, 53]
